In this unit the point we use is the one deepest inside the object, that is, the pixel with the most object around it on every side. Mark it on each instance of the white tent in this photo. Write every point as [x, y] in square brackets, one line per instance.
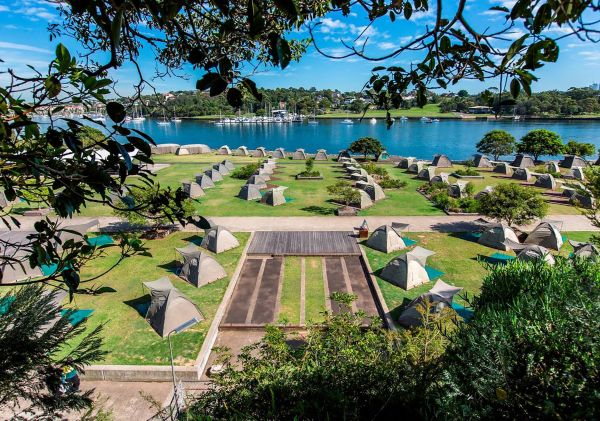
[16, 248]
[494, 235]
[365, 200]
[522, 174]
[228, 164]
[222, 169]
[218, 240]
[386, 239]
[199, 268]
[547, 235]
[204, 181]
[440, 296]
[224, 150]
[249, 192]
[545, 181]
[441, 161]
[405, 163]
[321, 155]
[427, 174]
[260, 152]
[192, 189]
[503, 168]
[274, 196]
[552, 167]
[572, 161]
[169, 308]
[299, 154]
[458, 189]
[587, 250]
[196, 148]
[374, 191]
[164, 148]
[408, 270]
[279, 153]
[482, 161]
[416, 167]
[441, 178]
[242, 151]
[523, 161]
[214, 175]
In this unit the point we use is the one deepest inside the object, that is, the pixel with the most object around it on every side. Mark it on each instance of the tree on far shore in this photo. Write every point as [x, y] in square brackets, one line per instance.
[581, 149]
[367, 145]
[540, 142]
[496, 143]
[513, 204]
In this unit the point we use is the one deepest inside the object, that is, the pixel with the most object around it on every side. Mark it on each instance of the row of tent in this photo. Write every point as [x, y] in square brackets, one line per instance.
[273, 196]
[261, 152]
[207, 179]
[370, 191]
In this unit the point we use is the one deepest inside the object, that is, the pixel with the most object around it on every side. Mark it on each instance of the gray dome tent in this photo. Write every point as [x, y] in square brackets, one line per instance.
[503, 168]
[441, 295]
[195, 148]
[584, 201]
[242, 151]
[374, 191]
[260, 152]
[487, 190]
[522, 174]
[228, 164]
[343, 154]
[547, 235]
[577, 173]
[405, 163]
[364, 201]
[321, 155]
[441, 161]
[274, 196]
[523, 161]
[571, 161]
[249, 192]
[408, 270]
[416, 167]
[545, 181]
[531, 252]
[256, 179]
[299, 154]
[441, 178]
[427, 174]
[279, 153]
[169, 309]
[214, 175]
[218, 240]
[552, 167]
[481, 161]
[222, 169]
[224, 150]
[204, 181]
[457, 190]
[386, 239]
[494, 236]
[264, 174]
[192, 189]
[165, 148]
[75, 232]
[587, 250]
[199, 268]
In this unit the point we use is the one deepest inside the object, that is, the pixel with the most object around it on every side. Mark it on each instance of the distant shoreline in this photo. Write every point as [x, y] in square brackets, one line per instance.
[440, 117]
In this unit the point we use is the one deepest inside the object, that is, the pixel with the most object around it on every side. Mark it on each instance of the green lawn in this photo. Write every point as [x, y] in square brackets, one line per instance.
[127, 335]
[315, 289]
[306, 197]
[456, 257]
[289, 309]
[429, 110]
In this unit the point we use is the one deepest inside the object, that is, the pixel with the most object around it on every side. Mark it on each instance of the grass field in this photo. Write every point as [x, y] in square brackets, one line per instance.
[429, 110]
[315, 289]
[289, 310]
[306, 197]
[455, 256]
[127, 335]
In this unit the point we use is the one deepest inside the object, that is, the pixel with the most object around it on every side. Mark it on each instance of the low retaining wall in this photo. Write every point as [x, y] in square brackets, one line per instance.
[140, 373]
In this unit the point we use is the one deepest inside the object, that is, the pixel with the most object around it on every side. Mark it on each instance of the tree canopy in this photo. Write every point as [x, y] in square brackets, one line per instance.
[582, 149]
[367, 146]
[540, 142]
[497, 143]
[513, 204]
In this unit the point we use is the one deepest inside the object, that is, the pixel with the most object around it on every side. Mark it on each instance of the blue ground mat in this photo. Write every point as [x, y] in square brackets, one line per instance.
[77, 316]
[409, 242]
[433, 273]
[499, 258]
[462, 311]
[5, 304]
[471, 236]
[101, 240]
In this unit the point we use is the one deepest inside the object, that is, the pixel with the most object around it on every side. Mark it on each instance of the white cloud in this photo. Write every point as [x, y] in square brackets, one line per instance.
[22, 47]
[387, 45]
[509, 4]
[36, 13]
[590, 55]
[333, 23]
[514, 34]
[3, 8]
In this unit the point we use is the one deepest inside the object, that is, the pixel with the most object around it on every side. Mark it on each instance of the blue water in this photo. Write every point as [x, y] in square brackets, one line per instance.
[455, 138]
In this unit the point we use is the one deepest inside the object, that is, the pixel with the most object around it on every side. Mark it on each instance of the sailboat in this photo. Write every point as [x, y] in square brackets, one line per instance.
[164, 121]
[138, 116]
[175, 119]
[314, 116]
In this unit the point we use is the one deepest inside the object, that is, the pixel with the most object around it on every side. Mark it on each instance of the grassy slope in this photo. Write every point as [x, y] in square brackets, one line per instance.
[456, 257]
[127, 335]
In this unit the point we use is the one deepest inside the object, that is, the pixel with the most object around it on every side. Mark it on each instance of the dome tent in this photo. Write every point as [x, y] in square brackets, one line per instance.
[274, 196]
[321, 155]
[279, 153]
[441, 178]
[222, 169]
[408, 270]
[503, 168]
[522, 174]
[545, 181]
[214, 175]
[299, 154]
[552, 166]
[192, 189]
[587, 250]
[523, 161]
[374, 191]
[531, 252]
[343, 154]
[228, 164]
[224, 150]
[365, 200]
[481, 161]
[547, 235]
[260, 152]
[199, 268]
[386, 239]
[440, 296]
[427, 174]
[218, 240]
[572, 161]
[169, 309]
[242, 151]
[405, 163]
[494, 236]
[249, 192]
[416, 167]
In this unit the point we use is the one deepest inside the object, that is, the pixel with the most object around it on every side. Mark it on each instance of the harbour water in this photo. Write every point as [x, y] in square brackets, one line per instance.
[455, 138]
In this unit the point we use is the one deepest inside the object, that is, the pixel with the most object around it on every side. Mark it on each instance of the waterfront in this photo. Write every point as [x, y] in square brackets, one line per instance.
[456, 138]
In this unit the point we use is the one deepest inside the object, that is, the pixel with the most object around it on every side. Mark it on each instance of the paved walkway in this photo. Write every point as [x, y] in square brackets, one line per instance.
[443, 223]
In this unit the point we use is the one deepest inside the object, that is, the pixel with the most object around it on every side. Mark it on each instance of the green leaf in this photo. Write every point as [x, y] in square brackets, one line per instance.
[207, 81]
[251, 86]
[218, 87]
[140, 144]
[53, 86]
[408, 10]
[116, 111]
[284, 53]
[515, 88]
[289, 7]
[235, 97]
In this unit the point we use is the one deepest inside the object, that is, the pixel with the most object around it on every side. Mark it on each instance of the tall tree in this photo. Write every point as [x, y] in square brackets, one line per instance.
[496, 143]
[513, 204]
[582, 149]
[367, 146]
[540, 142]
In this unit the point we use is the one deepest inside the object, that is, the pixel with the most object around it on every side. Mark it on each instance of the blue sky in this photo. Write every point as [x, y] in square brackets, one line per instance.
[24, 40]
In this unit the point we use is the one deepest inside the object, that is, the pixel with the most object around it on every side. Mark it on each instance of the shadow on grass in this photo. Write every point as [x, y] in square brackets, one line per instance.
[467, 236]
[396, 312]
[95, 291]
[194, 239]
[319, 210]
[140, 304]
[171, 266]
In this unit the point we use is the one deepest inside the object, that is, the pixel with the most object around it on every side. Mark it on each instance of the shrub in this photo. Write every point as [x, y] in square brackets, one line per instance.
[343, 192]
[513, 204]
[392, 183]
[310, 169]
[242, 173]
[468, 205]
[375, 169]
[468, 171]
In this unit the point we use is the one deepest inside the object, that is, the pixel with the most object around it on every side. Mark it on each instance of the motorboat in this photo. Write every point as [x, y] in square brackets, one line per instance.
[373, 120]
[347, 121]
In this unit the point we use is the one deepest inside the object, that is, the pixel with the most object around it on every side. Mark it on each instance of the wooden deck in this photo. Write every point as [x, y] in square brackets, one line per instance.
[304, 243]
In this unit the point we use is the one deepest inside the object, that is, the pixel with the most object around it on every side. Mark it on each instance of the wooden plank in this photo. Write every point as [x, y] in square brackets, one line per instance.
[304, 243]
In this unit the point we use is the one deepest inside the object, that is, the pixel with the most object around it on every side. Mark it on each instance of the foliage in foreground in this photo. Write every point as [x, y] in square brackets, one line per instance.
[36, 341]
[529, 352]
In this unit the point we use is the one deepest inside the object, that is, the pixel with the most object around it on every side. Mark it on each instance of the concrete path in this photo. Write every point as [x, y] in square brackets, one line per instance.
[443, 223]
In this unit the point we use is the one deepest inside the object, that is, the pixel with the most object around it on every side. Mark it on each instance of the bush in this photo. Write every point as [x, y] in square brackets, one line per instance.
[375, 169]
[468, 205]
[243, 173]
[392, 183]
[468, 171]
[513, 204]
[310, 169]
